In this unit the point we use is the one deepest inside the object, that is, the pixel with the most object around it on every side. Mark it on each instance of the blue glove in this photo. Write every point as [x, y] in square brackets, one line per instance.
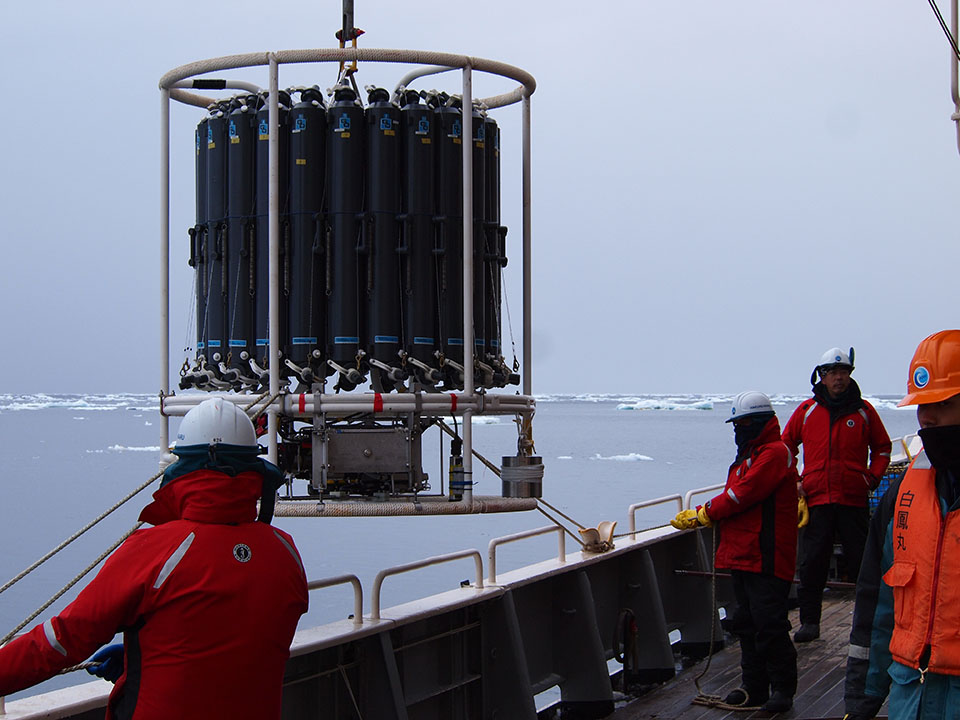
[109, 661]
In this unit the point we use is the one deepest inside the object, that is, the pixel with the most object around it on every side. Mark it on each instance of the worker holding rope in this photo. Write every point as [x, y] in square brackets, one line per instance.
[757, 519]
[208, 599]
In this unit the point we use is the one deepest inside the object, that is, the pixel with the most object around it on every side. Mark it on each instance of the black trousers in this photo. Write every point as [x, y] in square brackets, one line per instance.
[816, 547]
[768, 659]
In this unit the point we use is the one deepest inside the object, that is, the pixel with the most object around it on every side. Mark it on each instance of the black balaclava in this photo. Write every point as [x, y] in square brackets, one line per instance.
[745, 434]
[942, 446]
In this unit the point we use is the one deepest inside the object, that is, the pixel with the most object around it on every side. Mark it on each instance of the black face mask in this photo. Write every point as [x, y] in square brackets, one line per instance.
[744, 434]
[942, 445]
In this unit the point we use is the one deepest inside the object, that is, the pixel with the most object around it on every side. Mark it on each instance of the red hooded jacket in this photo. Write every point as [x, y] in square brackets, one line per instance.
[208, 601]
[835, 453]
[756, 514]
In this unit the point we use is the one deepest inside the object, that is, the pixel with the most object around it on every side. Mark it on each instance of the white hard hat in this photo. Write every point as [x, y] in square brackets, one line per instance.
[747, 403]
[835, 356]
[216, 422]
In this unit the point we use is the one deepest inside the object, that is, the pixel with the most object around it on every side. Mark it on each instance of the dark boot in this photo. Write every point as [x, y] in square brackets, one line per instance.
[806, 633]
[778, 702]
[744, 698]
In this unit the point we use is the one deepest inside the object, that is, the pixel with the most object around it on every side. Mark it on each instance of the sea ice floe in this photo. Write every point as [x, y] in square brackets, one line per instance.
[629, 457]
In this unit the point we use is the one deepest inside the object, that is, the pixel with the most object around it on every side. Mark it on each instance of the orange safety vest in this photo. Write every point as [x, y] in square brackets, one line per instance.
[925, 574]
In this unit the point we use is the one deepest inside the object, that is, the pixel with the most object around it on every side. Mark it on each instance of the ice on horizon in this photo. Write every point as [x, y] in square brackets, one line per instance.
[629, 457]
[665, 405]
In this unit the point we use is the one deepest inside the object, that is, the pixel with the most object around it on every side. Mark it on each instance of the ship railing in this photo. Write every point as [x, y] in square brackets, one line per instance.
[343, 580]
[688, 498]
[437, 560]
[496, 542]
[632, 510]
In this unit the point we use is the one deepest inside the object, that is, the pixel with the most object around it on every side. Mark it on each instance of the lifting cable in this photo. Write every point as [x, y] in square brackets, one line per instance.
[946, 31]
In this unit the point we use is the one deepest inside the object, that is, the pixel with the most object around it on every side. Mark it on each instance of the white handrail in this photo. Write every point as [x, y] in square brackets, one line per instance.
[632, 510]
[496, 542]
[343, 580]
[437, 560]
[689, 496]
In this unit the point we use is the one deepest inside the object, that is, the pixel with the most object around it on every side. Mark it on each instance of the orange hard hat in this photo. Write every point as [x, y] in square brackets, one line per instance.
[934, 370]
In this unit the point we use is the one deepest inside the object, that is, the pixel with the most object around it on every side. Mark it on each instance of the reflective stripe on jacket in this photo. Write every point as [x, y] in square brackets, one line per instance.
[835, 466]
[924, 578]
[757, 510]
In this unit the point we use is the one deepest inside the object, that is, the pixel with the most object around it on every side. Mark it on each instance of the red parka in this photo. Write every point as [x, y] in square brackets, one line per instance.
[208, 601]
[835, 466]
[756, 514]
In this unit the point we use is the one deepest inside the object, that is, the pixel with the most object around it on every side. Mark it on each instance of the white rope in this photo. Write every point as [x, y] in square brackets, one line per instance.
[9, 636]
[77, 534]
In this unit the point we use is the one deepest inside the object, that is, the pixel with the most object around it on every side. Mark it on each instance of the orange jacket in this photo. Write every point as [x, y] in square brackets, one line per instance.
[926, 589]
[835, 466]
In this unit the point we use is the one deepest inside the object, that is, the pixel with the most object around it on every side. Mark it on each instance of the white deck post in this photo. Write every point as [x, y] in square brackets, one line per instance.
[468, 329]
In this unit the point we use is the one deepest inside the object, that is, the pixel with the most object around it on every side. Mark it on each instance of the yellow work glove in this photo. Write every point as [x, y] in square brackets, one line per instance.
[685, 520]
[803, 512]
[703, 518]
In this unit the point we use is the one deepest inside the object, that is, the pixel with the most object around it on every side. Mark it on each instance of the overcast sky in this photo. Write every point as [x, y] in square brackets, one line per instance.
[721, 190]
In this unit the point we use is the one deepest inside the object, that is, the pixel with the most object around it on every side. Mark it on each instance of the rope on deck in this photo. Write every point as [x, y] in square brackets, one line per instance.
[715, 701]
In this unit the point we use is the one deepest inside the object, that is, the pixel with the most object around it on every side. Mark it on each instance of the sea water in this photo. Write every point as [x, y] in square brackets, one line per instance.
[70, 457]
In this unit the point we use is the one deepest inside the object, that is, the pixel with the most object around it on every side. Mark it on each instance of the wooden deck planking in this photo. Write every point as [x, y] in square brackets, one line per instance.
[821, 667]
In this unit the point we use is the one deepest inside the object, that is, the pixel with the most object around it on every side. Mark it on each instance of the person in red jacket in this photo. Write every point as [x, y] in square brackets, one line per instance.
[837, 428]
[756, 516]
[207, 600]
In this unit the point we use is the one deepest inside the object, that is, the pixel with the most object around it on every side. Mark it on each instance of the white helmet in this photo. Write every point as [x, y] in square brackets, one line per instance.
[833, 356]
[216, 422]
[836, 356]
[747, 403]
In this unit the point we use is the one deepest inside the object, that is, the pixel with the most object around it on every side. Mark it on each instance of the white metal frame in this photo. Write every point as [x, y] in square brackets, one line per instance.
[172, 87]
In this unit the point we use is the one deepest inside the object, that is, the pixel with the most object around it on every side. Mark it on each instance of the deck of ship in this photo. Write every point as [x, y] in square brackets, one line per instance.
[821, 665]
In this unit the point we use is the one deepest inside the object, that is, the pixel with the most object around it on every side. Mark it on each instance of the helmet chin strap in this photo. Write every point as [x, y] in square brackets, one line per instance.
[268, 499]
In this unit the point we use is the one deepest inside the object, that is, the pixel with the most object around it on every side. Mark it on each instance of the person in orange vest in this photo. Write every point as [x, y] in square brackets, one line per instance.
[837, 429]
[756, 517]
[905, 639]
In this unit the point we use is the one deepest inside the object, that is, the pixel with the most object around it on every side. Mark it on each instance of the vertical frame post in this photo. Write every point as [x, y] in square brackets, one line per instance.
[273, 189]
[468, 330]
[954, 80]
[164, 262]
[527, 252]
